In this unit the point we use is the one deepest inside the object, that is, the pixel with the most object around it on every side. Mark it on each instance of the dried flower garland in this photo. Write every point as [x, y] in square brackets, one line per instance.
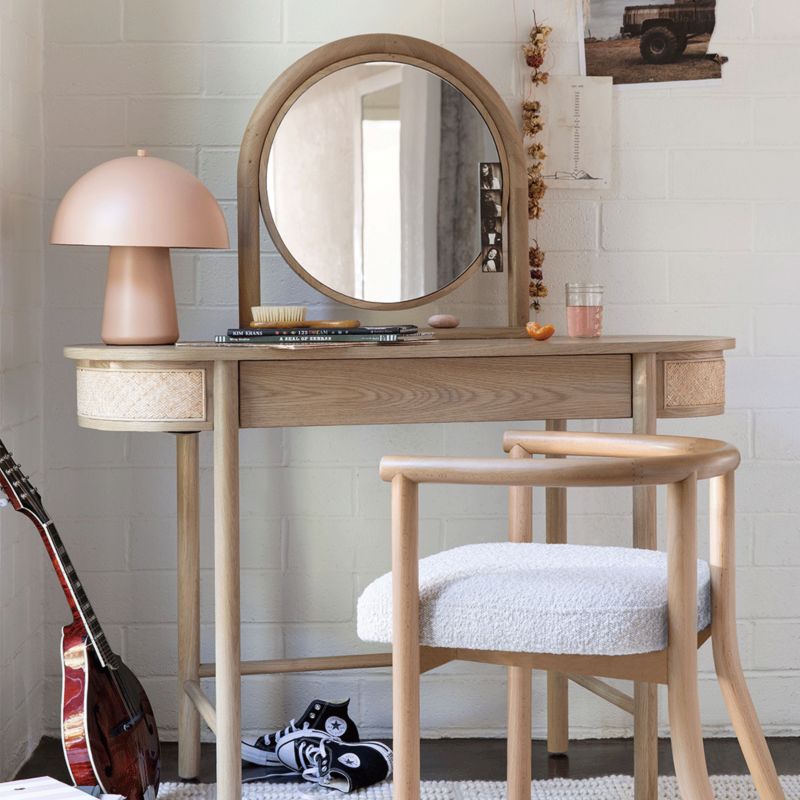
[535, 50]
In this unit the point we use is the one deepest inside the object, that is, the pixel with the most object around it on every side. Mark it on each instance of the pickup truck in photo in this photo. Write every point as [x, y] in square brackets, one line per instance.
[665, 29]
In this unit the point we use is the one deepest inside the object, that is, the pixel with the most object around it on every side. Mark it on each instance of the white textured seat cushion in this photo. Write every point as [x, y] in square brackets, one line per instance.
[537, 598]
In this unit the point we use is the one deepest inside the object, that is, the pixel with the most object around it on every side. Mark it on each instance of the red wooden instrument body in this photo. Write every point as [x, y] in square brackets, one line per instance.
[104, 743]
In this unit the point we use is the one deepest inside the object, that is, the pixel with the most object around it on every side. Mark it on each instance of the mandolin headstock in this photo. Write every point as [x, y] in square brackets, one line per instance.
[19, 491]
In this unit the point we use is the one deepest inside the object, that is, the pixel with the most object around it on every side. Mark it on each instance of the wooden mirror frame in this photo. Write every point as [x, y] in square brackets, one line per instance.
[277, 100]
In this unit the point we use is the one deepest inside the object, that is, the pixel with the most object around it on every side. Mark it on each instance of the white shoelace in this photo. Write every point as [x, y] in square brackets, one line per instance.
[276, 736]
[317, 756]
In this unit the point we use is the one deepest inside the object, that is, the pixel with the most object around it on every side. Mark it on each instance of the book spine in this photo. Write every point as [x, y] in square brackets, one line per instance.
[256, 333]
[271, 333]
[367, 337]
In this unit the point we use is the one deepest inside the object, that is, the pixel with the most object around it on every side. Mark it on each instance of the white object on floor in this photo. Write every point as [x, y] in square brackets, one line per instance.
[45, 789]
[538, 598]
[617, 787]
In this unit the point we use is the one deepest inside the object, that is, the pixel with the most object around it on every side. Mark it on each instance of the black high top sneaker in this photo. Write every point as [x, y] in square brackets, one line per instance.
[334, 764]
[326, 717]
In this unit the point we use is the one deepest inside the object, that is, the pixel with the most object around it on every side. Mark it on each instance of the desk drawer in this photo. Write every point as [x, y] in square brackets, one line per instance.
[374, 391]
[144, 396]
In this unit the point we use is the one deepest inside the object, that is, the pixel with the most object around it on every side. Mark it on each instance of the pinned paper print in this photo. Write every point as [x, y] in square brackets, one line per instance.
[651, 43]
[576, 134]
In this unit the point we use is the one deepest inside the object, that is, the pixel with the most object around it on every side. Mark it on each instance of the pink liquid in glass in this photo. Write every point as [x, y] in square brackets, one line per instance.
[584, 321]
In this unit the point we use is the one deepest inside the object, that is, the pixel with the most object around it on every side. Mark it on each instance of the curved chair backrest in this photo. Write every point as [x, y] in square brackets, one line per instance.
[601, 459]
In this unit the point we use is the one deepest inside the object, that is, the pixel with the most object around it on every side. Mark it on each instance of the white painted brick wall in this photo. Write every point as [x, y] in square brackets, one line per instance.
[698, 235]
[21, 291]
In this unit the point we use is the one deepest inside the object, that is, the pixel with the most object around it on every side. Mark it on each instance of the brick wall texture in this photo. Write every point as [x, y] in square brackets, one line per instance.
[698, 235]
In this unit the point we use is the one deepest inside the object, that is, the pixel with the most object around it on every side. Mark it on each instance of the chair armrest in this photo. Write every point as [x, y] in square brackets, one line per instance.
[710, 456]
[527, 472]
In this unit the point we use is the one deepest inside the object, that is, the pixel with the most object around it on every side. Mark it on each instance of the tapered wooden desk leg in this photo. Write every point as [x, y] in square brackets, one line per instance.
[405, 638]
[557, 683]
[188, 601]
[645, 695]
[226, 579]
[518, 767]
[725, 641]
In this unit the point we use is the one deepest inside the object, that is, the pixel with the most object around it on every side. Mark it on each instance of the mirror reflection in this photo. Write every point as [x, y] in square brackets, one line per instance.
[374, 181]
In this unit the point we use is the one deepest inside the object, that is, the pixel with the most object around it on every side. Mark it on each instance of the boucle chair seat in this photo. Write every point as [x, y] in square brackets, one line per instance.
[538, 598]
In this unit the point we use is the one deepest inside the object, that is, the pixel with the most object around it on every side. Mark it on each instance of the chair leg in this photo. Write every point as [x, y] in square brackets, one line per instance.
[726, 646]
[405, 713]
[745, 720]
[405, 641]
[645, 717]
[557, 683]
[645, 741]
[684, 705]
[557, 713]
[518, 769]
[518, 766]
[687, 738]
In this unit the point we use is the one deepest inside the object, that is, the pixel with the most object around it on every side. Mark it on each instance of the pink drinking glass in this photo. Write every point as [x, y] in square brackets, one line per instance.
[584, 310]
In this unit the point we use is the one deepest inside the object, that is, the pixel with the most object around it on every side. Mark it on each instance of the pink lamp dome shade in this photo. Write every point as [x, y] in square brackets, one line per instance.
[140, 206]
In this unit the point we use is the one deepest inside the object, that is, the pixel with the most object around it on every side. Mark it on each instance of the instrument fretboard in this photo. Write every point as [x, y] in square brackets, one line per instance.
[81, 601]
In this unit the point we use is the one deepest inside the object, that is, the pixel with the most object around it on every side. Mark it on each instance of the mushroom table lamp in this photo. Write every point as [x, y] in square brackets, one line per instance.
[140, 206]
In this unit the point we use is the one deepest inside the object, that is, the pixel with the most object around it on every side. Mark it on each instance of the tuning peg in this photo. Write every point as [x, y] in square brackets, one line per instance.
[3, 501]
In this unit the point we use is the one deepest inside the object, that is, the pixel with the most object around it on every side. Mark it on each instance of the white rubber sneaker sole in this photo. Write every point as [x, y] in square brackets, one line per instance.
[255, 755]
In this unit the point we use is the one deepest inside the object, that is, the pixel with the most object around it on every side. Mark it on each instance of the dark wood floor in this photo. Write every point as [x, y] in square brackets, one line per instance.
[482, 759]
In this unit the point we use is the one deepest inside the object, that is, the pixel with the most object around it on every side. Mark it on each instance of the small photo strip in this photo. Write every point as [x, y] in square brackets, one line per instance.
[491, 206]
[491, 176]
[491, 232]
[492, 260]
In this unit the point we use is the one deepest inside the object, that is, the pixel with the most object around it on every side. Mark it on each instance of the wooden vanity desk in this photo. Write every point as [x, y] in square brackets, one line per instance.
[463, 376]
[184, 390]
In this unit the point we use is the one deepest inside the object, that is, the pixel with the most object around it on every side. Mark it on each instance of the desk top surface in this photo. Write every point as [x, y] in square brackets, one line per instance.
[453, 345]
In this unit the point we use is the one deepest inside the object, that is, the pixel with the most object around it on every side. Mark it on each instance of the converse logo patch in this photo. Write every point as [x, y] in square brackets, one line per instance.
[335, 726]
[350, 760]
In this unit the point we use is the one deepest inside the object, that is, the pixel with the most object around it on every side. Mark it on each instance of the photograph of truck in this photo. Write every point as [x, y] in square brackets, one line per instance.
[650, 43]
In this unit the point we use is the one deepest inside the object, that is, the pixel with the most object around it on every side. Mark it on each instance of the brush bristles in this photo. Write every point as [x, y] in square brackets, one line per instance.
[279, 314]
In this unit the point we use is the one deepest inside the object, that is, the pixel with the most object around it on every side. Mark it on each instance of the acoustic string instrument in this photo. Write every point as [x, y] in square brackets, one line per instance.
[107, 725]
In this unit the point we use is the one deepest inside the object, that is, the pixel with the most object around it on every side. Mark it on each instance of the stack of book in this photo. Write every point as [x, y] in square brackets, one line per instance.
[381, 334]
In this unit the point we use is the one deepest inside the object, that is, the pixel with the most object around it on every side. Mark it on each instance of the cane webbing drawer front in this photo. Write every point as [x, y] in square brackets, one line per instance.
[433, 390]
[691, 386]
[143, 398]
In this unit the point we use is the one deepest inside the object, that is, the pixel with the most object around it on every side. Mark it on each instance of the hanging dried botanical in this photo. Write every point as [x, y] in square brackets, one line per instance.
[536, 289]
[535, 50]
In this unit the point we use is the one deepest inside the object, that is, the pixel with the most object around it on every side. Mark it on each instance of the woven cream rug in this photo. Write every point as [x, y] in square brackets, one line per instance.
[620, 787]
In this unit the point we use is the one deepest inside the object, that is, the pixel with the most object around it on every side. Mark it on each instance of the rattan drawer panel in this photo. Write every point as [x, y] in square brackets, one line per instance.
[142, 395]
[692, 387]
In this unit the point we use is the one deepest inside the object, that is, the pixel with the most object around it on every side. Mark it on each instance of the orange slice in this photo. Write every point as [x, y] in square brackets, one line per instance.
[539, 332]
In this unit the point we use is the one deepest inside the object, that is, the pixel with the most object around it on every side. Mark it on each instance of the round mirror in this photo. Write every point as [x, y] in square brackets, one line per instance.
[375, 180]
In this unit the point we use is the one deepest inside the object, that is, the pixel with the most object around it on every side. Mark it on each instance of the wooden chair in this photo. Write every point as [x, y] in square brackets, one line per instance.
[424, 637]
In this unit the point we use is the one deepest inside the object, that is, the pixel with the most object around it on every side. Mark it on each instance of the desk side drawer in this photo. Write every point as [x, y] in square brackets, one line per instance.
[381, 391]
[135, 396]
[691, 385]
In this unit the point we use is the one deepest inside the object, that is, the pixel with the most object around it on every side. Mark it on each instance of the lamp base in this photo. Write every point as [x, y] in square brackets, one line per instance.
[140, 297]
